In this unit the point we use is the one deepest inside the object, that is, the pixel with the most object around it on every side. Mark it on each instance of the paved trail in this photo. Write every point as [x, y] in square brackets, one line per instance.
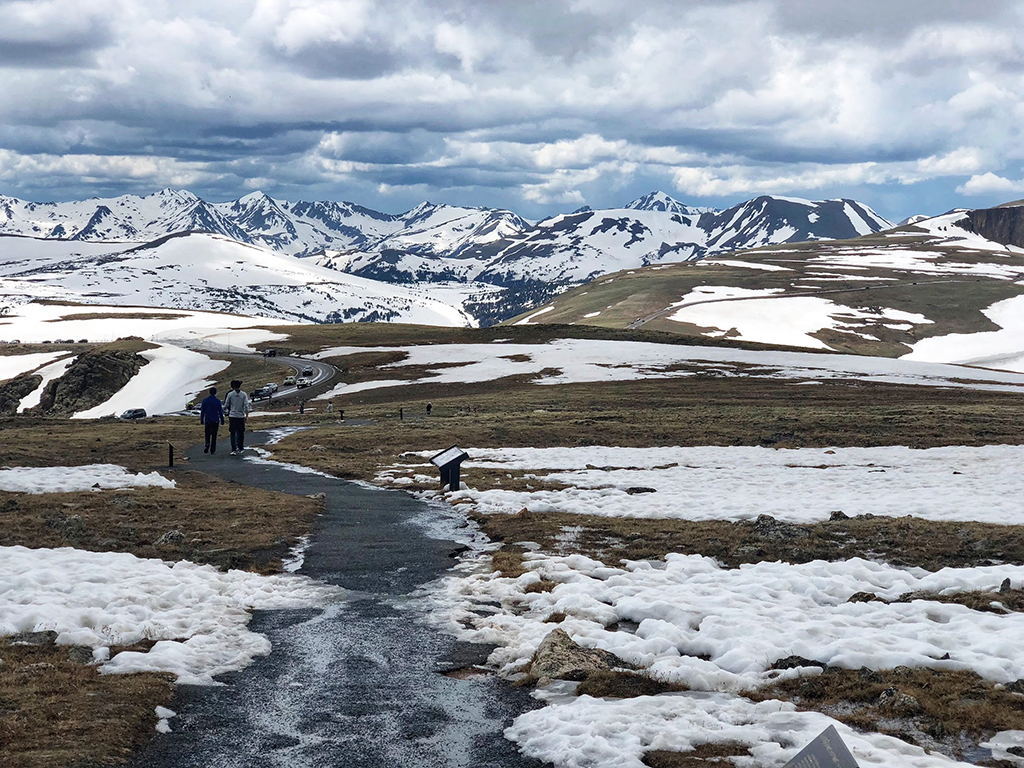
[356, 684]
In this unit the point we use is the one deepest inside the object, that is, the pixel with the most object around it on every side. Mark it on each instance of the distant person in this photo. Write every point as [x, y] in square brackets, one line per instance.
[330, 406]
[238, 406]
[211, 413]
[430, 408]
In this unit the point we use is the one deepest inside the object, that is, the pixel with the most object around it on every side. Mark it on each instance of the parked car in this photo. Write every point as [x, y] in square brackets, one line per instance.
[308, 370]
[270, 386]
[289, 379]
[261, 393]
[133, 413]
[302, 382]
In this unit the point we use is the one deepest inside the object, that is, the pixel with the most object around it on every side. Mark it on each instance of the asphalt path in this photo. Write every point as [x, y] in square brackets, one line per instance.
[357, 684]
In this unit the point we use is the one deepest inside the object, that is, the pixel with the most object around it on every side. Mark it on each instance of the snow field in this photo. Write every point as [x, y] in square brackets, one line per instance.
[608, 733]
[583, 360]
[1001, 349]
[784, 320]
[72, 479]
[163, 385]
[33, 322]
[197, 614]
[718, 631]
[14, 365]
[800, 485]
[743, 619]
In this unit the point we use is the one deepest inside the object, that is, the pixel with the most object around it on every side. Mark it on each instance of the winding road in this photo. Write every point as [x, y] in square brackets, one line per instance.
[358, 684]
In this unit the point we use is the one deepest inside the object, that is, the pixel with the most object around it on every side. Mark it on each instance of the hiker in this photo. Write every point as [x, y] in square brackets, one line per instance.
[238, 406]
[211, 413]
[330, 406]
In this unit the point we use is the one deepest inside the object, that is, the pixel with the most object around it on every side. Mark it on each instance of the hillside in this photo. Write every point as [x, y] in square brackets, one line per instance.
[213, 273]
[935, 290]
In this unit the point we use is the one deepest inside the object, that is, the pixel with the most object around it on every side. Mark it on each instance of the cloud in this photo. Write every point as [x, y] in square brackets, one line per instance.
[559, 102]
[990, 184]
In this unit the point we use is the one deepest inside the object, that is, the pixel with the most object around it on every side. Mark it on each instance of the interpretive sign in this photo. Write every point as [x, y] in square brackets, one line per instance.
[448, 462]
[826, 751]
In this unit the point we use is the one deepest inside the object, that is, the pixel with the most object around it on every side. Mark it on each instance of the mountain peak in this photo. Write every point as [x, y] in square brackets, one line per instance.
[660, 201]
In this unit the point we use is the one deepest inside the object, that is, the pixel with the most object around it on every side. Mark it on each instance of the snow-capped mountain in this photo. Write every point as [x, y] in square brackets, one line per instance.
[434, 243]
[299, 228]
[211, 272]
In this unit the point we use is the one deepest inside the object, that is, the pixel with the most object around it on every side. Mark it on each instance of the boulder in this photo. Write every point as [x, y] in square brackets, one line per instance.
[894, 701]
[558, 657]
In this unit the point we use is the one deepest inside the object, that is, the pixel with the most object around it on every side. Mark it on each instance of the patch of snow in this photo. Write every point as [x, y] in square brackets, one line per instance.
[197, 614]
[15, 365]
[586, 360]
[81, 478]
[799, 485]
[530, 319]
[163, 385]
[49, 373]
[586, 732]
[1003, 349]
[783, 320]
[744, 264]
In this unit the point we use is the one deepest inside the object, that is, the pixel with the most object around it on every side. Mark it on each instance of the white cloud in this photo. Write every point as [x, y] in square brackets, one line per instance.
[989, 184]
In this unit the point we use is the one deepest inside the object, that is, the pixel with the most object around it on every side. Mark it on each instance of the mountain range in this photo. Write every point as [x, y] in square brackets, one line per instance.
[491, 263]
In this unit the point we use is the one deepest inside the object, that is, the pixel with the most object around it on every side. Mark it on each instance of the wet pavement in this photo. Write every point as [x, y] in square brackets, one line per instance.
[357, 684]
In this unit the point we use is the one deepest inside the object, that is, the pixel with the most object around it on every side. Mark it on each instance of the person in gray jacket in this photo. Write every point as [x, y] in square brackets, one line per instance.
[237, 406]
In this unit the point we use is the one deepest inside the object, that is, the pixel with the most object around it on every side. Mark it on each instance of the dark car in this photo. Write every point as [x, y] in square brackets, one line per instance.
[307, 371]
[260, 394]
[133, 413]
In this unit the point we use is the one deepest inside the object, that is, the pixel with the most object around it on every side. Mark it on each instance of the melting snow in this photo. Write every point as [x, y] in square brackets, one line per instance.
[82, 478]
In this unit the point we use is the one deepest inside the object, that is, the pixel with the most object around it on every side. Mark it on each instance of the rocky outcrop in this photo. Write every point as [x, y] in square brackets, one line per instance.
[558, 657]
[12, 391]
[1004, 224]
[92, 379]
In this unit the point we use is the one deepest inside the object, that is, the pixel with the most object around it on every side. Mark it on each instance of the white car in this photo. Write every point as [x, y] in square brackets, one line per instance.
[302, 382]
[270, 386]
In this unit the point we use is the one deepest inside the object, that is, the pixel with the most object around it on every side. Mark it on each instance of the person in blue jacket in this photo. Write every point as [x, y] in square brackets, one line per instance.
[211, 413]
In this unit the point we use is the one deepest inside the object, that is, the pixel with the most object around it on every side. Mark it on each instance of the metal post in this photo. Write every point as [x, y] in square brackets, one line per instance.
[170, 455]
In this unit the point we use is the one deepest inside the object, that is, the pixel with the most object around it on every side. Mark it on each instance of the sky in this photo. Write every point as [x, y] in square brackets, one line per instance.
[911, 106]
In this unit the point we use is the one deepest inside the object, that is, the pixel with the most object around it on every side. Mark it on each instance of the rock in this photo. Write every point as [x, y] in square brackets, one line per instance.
[170, 538]
[836, 515]
[558, 657]
[894, 701]
[792, 662]
[49, 637]
[80, 654]
[770, 528]
[1016, 750]
[11, 505]
[11, 392]
[317, 448]
[1003, 225]
[869, 675]
[865, 597]
[1017, 686]
[1005, 586]
[634, 490]
[317, 496]
[68, 526]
